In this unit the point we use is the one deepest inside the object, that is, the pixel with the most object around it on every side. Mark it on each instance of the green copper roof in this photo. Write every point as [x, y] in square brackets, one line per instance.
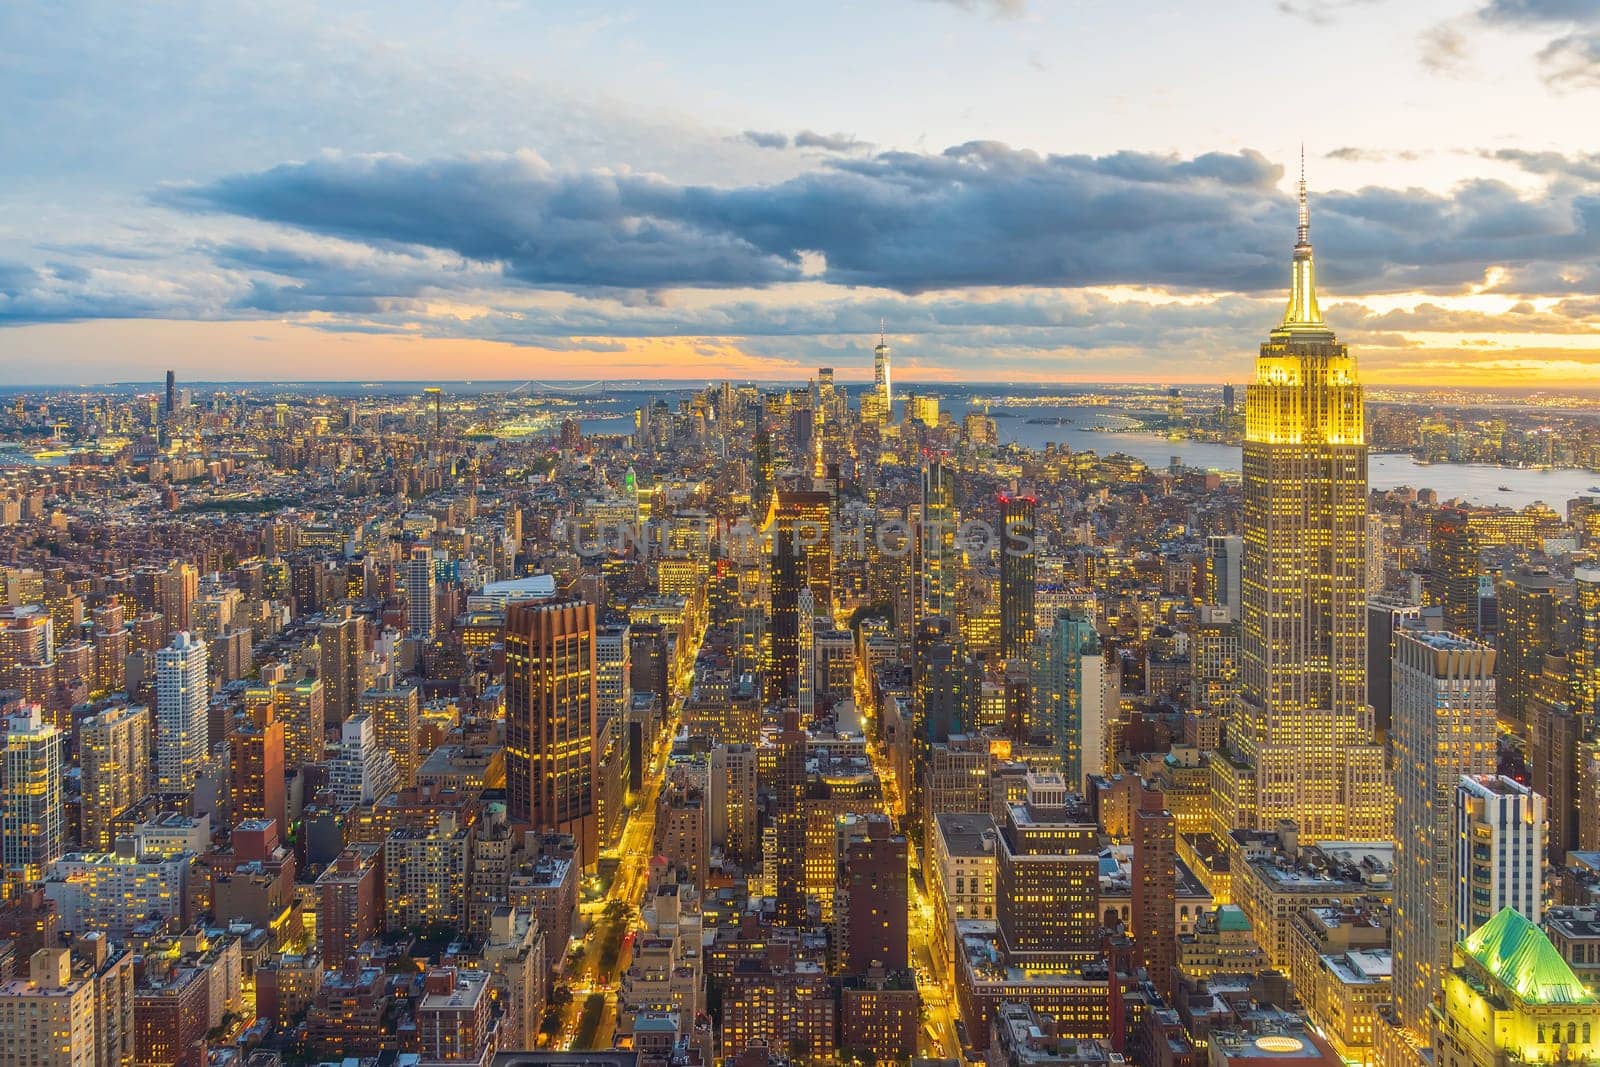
[1232, 917]
[1519, 954]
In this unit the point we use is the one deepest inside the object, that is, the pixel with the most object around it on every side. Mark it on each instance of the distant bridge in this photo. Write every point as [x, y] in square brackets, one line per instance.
[587, 388]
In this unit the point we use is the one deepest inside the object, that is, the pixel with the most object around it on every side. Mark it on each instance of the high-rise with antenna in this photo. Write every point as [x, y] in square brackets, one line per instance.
[880, 372]
[1301, 745]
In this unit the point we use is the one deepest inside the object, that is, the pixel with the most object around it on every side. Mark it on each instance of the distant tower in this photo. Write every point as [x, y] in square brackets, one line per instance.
[438, 408]
[880, 373]
[172, 392]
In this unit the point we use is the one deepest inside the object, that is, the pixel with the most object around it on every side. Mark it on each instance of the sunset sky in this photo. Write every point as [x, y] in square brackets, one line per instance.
[1049, 190]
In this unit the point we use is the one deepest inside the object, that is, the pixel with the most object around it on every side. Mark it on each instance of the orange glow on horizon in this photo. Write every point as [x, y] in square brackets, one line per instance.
[107, 350]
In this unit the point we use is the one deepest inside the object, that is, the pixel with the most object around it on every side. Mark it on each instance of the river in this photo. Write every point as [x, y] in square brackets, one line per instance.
[1475, 483]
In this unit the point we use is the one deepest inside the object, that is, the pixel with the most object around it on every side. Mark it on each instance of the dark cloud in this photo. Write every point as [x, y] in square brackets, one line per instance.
[832, 142]
[1540, 12]
[1583, 167]
[765, 139]
[976, 215]
[1570, 61]
[70, 292]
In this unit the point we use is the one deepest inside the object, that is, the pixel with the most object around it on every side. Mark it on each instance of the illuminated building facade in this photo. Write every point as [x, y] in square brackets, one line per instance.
[1531, 606]
[256, 766]
[1586, 638]
[1303, 738]
[1047, 884]
[1070, 694]
[936, 541]
[1499, 846]
[1444, 727]
[801, 528]
[551, 760]
[420, 594]
[183, 731]
[1510, 998]
[1018, 566]
[114, 756]
[31, 828]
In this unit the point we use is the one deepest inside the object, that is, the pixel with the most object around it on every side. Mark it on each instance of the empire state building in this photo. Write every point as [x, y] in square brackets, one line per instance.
[1301, 743]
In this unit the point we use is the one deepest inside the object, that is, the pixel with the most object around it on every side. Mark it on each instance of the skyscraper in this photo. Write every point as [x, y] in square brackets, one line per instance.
[1586, 639]
[257, 765]
[1303, 744]
[183, 733]
[31, 831]
[172, 392]
[788, 791]
[1499, 846]
[1444, 727]
[114, 756]
[880, 376]
[550, 720]
[806, 655]
[420, 593]
[1018, 563]
[1155, 886]
[1223, 553]
[342, 638]
[1556, 731]
[936, 540]
[1069, 697]
[801, 527]
[873, 900]
[1531, 603]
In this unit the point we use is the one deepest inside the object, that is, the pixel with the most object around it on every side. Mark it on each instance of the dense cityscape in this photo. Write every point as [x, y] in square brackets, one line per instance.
[575, 724]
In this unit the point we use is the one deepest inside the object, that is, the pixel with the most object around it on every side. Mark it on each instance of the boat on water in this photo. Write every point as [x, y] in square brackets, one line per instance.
[1505, 489]
[1594, 489]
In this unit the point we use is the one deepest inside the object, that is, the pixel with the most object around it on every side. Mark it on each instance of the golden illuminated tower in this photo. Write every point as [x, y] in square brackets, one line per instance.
[1301, 744]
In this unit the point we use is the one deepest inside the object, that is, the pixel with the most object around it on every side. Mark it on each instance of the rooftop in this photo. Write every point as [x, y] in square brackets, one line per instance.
[1519, 954]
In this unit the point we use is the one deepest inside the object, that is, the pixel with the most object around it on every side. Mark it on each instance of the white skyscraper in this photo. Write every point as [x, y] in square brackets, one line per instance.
[1500, 842]
[31, 834]
[420, 592]
[1442, 692]
[183, 736]
[362, 771]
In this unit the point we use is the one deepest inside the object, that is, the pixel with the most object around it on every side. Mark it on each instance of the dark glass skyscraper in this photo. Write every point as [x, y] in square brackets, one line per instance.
[1017, 581]
[550, 719]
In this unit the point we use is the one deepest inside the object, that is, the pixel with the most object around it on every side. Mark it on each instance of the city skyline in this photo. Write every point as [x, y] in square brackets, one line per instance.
[1076, 195]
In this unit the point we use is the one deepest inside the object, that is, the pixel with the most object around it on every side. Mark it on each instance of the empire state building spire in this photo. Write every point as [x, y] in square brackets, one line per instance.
[1302, 315]
[1301, 741]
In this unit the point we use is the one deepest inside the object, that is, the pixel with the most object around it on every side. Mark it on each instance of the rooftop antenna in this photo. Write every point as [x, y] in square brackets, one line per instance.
[1305, 213]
